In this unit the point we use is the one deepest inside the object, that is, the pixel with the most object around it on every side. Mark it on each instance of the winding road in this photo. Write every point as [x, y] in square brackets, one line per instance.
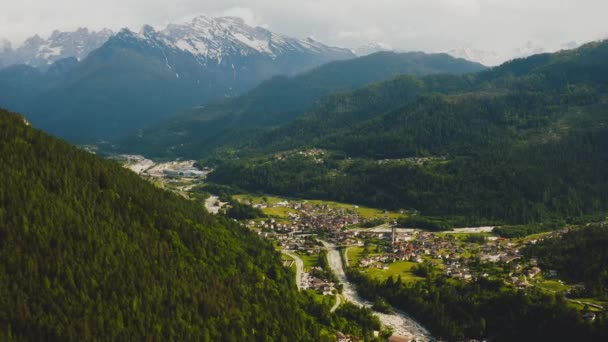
[399, 321]
[299, 267]
[338, 302]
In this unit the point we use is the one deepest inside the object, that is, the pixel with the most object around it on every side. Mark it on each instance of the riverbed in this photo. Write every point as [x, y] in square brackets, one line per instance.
[400, 322]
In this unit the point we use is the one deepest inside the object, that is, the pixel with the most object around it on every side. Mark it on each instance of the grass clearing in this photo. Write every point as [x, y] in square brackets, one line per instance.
[279, 212]
[464, 236]
[574, 303]
[532, 237]
[355, 254]
[553, 286]
[399, 268]
[365, 212]
[309, 260]
[271, 200]
[321, 299]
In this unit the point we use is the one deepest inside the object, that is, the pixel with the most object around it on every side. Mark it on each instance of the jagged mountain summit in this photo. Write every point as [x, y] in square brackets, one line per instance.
[489, 58]
[228, 42]
[218, 38]
[497, 57]
[41, 53]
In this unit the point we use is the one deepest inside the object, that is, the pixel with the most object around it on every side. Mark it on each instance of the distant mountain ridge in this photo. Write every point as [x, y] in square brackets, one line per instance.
[520, 143]
[497, 57]
[41, 53]
[138, 78]
[218, 38]
[280, 100]
[372, 47]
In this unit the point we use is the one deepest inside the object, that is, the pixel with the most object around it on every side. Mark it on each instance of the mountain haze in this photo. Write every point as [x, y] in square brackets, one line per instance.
[136, 79]
[282, 99]
[41, 53]
[523, 142]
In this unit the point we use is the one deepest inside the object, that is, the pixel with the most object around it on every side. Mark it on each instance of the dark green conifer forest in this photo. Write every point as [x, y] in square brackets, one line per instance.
[524, 142]
[88, 250]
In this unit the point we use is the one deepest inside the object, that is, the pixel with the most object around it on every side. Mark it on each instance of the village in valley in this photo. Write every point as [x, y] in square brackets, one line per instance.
[372, 241]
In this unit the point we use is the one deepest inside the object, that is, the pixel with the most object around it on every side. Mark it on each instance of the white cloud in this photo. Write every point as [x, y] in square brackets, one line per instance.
[247, 14]
[404, 24]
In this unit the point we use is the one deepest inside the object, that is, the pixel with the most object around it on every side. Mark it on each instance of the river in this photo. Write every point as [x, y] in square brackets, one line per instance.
[399, 321]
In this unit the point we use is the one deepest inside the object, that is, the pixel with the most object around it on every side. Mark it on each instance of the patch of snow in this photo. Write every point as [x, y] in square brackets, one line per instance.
[46, 52]
[254, 43]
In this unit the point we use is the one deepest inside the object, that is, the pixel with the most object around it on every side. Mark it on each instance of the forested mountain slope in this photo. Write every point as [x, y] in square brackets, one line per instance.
[88, 250]
[580, 256]
[412, 114]
[280, 100]
[522, 142]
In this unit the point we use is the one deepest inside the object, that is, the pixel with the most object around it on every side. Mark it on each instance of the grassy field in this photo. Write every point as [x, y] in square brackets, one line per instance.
[531, 237]
[354, 254]
[553, 286]
[364, 212]
[399, 268]
[591, 300]
[158, 183]
[309, 260]
[581, 307]
[258, 199]
[279, 212]
[294, 266]
[464, 236]
[321, 299]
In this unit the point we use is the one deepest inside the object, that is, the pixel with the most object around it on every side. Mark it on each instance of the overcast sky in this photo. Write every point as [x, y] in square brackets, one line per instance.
[429, 25]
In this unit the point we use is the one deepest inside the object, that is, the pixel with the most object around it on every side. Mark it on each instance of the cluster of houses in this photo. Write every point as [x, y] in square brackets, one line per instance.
[315, 154]
[309, 218]
[412, 160]
[452, 254]
[174, 169]
[315, 280]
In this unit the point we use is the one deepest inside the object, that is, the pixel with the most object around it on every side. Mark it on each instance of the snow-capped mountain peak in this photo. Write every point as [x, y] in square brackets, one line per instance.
[488, 58]
[39, 52]
[493, 58]
[372, 47]
[213, 38]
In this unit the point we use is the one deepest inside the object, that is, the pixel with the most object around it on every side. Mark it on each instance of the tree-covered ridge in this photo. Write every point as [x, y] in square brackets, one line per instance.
[580, 256]
[484, 309]
[280, 100]
[417, 113]
[524, 142]
[88, 250]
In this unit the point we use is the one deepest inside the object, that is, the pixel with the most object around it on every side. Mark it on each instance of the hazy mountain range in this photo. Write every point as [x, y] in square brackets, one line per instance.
[41, 53]
[281, 100]
[496, 57]
[136, 78]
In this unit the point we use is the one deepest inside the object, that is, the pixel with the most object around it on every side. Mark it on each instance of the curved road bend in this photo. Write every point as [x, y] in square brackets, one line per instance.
[299, 267]
[399, 321]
